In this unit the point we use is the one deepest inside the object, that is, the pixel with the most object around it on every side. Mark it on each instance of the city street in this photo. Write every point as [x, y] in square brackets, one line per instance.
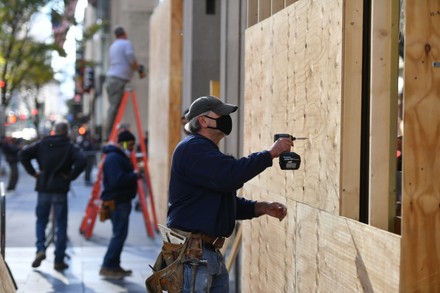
[84, 256]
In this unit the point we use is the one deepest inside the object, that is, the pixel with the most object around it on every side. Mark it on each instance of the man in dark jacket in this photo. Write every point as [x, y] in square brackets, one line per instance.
[119, 188]
[202, 193]
[59, 163]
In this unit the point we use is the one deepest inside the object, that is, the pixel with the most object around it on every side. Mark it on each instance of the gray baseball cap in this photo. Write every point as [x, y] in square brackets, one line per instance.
[209, 103]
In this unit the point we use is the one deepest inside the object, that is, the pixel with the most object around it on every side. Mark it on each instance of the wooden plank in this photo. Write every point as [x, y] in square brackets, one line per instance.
[264, 9]
[175, 83]
[234, 249]
[252, 12]
[214, 88]
[421, 144]
[383, 113]
[276, 5]
[351, 109]
[288, 2]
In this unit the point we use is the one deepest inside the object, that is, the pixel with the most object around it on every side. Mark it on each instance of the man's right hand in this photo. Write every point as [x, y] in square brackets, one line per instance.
[280, 146]
[139, 175]
[141, 71]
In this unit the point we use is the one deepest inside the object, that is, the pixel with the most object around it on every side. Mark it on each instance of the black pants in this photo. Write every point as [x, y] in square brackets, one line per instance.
[89, 167]
[13, 176]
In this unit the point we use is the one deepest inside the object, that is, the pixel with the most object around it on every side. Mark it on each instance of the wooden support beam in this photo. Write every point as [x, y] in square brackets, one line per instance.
[288, 2]
[252, 12]
[214, 88]
[264, 9]
[351, 109]
[383, 113]
[420, 258]
[234, 249]
[165, 79]
[277, 5]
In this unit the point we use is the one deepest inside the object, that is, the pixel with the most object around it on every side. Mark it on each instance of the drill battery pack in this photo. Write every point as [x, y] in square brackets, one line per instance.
[290, 161]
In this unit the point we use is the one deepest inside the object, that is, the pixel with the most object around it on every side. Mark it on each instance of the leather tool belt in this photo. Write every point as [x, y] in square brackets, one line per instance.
[216, 242]
[105, 208]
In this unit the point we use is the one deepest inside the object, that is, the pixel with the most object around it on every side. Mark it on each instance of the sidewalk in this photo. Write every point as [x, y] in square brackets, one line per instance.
[85, 256]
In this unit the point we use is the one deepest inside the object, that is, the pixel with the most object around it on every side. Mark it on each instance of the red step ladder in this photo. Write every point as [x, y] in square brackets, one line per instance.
[92, 208]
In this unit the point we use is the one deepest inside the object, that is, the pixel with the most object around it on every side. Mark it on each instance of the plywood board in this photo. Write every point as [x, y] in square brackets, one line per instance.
[313, 250]
[421, 144]
[165, 79]
[293, 85]
[268, 251]
[349, 256]
[6, 283]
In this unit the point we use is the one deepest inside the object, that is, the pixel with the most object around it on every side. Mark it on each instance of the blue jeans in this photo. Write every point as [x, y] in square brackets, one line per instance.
[119, 217]
[211, 277]
[58, 201]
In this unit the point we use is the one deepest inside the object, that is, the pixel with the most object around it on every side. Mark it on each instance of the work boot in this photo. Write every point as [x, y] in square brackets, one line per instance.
[118, 273]
[41, 255]
[127, 272]
[60, 266]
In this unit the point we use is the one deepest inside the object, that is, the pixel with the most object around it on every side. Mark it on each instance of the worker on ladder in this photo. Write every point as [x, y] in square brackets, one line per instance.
[122, 65]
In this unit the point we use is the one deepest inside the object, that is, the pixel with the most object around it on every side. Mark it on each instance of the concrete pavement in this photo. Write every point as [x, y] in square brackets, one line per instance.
[85, 256]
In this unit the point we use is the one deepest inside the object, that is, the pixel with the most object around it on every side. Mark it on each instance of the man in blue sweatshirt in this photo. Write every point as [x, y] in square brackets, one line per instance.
[119, 188]
[202, 190]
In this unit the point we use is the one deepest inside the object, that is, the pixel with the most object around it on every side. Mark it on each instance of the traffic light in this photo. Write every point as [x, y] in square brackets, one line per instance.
[82, 130]
[12, 119]
[2, 83]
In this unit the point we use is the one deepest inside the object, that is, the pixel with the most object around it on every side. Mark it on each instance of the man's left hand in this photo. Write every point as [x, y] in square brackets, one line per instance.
[273, 209]
[277, 210]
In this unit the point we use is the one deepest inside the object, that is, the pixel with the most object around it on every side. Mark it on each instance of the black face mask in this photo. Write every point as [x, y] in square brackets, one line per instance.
[224, 124]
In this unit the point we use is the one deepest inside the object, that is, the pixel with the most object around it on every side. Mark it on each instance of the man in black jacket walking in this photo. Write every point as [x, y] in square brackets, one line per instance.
[59, 163]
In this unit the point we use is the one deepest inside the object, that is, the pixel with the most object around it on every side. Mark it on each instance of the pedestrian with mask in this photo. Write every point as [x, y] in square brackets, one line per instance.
[59, 163]
[203, 201]
[119, 188]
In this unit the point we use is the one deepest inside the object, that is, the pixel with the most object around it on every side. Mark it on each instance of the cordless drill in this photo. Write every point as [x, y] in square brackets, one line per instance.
[289, 160]
[141, 71]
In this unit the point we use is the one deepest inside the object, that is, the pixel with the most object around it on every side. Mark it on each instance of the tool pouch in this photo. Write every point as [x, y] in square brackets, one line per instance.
[168, 269]
[105, 208]
[195, 247]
